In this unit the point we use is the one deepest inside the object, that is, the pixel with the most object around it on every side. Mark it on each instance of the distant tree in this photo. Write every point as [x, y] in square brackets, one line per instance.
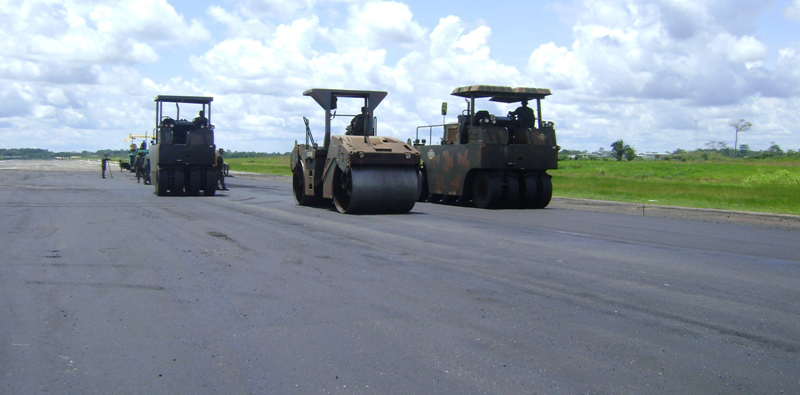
[744, 149]
[679, 151]
[740, 126]
[601, 152]
[630, 153]
[618, 149]
[774, 150]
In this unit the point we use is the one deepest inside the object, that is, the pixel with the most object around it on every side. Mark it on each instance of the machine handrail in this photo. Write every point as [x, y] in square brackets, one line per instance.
[430, 131]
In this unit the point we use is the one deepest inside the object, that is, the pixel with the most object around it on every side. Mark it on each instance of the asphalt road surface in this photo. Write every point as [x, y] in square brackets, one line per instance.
[106, 288]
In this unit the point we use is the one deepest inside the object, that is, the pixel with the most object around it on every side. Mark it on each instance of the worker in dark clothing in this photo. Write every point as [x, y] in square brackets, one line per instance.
[138, 166]
[104, 163]
[524, 115]
[219, 162]
[200, 121]
[357, 124]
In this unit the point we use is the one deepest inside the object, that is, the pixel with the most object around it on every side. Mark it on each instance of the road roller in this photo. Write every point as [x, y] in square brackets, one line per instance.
[182, 152]
[493, 161]
[360, 172]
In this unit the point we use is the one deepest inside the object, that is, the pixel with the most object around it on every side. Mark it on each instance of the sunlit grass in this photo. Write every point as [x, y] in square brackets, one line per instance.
[268, 165]
[764, 186]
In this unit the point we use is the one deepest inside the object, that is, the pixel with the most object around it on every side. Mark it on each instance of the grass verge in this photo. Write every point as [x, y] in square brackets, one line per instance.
[771, 186]
[760, 186]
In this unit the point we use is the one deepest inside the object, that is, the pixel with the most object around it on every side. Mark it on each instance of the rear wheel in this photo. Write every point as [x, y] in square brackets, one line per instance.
[486, 189]
[210, 188]
[161, 182]
[299, 188]
[176, 189]
[511, 189]
[423, 186]
[195, 177]
[545, 192]
[530, 187]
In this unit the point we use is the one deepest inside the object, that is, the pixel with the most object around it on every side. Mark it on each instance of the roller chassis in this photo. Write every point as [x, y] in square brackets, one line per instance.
[359, 174]
[488, 160]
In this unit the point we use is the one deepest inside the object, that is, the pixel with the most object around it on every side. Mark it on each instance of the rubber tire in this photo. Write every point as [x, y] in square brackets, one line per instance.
[545, 192]
[487, 189]
[193, 186]
[342, 189]
[530, 187]
[298, 187]
[210, 189]
[162, 179]
[511, 196]
[423, 186]
[176, 189]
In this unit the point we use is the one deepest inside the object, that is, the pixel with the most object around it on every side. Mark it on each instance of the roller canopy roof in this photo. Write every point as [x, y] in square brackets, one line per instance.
[505, 94]
[184, 99]
[323, 96]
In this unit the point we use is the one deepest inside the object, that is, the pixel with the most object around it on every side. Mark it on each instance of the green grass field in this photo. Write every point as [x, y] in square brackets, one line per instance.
[269, 165]
[764, 185]
[759, 185]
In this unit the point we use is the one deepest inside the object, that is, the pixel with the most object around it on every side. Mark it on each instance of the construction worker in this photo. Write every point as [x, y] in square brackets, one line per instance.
[103, 164]
[219, 163]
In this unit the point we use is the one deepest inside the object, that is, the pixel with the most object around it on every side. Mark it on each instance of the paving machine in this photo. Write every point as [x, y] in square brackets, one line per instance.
[182, 152]
[493, 161]
[361, 172]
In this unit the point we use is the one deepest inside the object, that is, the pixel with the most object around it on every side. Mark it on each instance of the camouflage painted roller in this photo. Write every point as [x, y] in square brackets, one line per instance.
[493, 161]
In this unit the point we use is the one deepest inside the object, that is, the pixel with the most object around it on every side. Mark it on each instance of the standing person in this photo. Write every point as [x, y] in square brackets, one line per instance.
[104, 163]
[219, 162]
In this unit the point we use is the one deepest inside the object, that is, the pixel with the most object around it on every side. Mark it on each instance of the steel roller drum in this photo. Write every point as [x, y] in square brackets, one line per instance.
[377, 190]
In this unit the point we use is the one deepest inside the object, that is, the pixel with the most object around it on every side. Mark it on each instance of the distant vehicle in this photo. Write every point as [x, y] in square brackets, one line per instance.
[182, 152]
[493, 161]
[359, 171]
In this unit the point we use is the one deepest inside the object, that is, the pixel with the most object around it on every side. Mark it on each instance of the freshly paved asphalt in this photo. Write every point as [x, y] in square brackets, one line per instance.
[106, 288]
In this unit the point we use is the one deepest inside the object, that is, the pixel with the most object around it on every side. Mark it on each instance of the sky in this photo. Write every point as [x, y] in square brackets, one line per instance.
[661, 75]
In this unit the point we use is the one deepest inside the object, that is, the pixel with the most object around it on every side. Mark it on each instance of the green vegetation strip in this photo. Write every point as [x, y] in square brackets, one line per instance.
[749, 185]
[762, 186]
[276, 164]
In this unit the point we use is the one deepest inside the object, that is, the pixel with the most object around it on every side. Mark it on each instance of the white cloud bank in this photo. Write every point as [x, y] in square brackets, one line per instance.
[647, 71]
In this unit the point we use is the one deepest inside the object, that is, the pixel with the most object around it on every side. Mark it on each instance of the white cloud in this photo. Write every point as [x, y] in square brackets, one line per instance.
[379, 24]
[559, 67]
[792, 12]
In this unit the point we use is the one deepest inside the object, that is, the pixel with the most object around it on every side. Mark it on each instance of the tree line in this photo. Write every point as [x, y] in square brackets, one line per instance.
[714, 150]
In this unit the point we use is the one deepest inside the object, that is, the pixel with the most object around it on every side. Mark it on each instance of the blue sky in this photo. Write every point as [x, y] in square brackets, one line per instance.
[659, 74]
